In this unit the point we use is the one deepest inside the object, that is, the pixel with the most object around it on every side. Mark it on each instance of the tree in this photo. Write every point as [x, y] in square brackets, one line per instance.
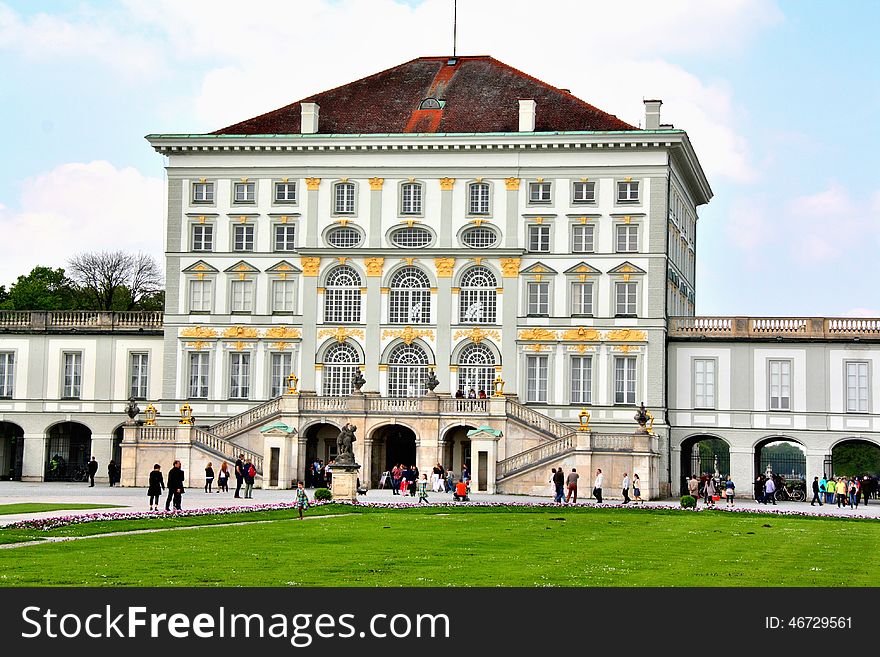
[43, 289]
[117, 280]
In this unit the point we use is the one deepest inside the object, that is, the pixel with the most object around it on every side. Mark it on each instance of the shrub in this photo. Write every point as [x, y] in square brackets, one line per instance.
[323, 494]
[687, 502]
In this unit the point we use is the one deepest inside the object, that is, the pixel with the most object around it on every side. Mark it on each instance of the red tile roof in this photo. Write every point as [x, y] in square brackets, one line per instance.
[480, 95]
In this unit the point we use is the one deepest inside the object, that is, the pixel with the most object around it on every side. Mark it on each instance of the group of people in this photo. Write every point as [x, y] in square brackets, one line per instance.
[319, 474]
[406, 480]
[843, 490]
[114, 472]
[244, 470]
[566, 486]
[709, 488]
[472, 394]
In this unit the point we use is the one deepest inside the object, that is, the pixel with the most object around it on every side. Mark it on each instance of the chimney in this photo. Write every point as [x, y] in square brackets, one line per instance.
[309, 118]
[652, 114]
[527, 115]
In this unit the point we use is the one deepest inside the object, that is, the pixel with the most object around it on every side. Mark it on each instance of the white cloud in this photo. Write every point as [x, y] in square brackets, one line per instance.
[80, 207]
[862, 312]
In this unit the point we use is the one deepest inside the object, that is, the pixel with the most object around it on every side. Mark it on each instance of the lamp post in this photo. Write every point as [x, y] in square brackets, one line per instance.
[584, 417]
[498, 384]
[291, 383]
[186, 414]
[150, 413]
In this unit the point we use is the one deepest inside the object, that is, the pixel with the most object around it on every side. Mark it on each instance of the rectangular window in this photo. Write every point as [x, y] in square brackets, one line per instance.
[581, 379]
[536, 378]
[411, 198]
[344, 198]
[203, 237]
[242, 296]
[7, 371]
[198, 375]
[285, 237]
[539, 192]
[478, 198]
[72, 376]
[539, 238]
[245, 192]
[582, 238]
[704, 383]
[282, 296]
[582, 299]
[201, 296]
[538, 298]
[625, 380]
[780, 385]
[239, 376]
[583, 192]
[625, 299]
[281, 368]
[285, 192]
[203, 192]
[138, 376]
[627, 238]
[243, 237]
[857, 387]
[628, 191]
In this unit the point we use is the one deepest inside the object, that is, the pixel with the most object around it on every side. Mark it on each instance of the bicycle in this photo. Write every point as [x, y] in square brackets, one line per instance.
[794, 495]
[80, 473]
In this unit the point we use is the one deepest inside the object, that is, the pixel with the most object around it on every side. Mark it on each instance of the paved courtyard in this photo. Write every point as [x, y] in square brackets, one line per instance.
[135, 499]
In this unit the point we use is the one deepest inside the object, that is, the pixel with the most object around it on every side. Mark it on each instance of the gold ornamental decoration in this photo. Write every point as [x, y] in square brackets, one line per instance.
[477, 335]
[538, 334]
[376, 183]
[582, 334]
[239, 332]
[512, 184]
[407, 334]
[537, 348]
[374, 266]
[198, 332]
[310, 266]
[341, 334]
[509, 267]
[446, 184]
[198, 345]
[625, 348]
[283, 333]
[281, 346]
[312, 184]
[626, 335]
[444, 267]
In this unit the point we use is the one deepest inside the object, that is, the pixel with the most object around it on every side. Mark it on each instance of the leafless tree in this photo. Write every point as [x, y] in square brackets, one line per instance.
[117, 280]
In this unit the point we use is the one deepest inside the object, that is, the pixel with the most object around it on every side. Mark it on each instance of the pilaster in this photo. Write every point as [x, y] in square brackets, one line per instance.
[445, 312]
[446, 233]
[311, 234]
[311, 317]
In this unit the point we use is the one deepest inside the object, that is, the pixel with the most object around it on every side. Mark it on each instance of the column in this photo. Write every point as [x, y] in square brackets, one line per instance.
[511, 220]
[102, 450]
[742, 470]
[510, 272]
[447, 230]
[33, 467]
[311, 234]
[311, 316]
[374, 227]
[372, 318]
[445, 313]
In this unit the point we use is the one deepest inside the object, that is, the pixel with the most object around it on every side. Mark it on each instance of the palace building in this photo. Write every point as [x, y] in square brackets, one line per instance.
[510, 269]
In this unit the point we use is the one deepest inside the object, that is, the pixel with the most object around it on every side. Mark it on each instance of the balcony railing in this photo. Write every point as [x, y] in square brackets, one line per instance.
[793, 328]
[91, 320]
[464, 406]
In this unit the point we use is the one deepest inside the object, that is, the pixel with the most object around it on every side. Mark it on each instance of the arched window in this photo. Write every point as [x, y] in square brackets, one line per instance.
[477, 299]
[476, 369]
[340, 363]
[410, 297]
[407, 371]
[342, 296]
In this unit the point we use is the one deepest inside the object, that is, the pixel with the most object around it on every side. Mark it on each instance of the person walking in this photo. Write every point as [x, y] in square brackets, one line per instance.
[572, 482]
[770, 491]
[111, 472]
[423, 489]
[223, 478]
[694, 487]
[830, 489]
[558, 483]
[93, 470]
[302, 499]
[637, 489]
[709, 492]
[175, 487]
[239, 474]
[625, 486]
[818, 489]
[597, 486]
[729, 491]
[840, 491]
[209, 477]
[154, 490]
[853, 491]
[250, 472]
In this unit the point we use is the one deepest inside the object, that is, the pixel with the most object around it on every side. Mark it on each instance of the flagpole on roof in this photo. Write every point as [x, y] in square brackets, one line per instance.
[454, 25]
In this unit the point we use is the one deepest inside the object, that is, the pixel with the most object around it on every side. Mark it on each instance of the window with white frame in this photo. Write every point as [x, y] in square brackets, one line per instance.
[281, 366]
[625, 380]
[239, 375]
[283, 295]
[780, 385]
[409, 297]
[582, 298]
[203, 192]
[581, 379]
[583, 192]
[414, 237]
[342, 296]
[625, 298]
[285, 237]
[72, 383]
[344, 238]
[476, 369]
[7, 374]
[202, 237]
[411, 198]
[583, 238]
[285, 192]
[201, 295]
[704, 383]
[479, 237]
[627, 238]
[627, 191]
[242, 296]
[478, 198]
[138, 376]
[539, 192]
[539, 238]
[343, 198]
[407, 371]
[857, 387]
[536, 378]
[244, 192]
[477, 298]
[538, 298]
[341, 361]
[198, 375]
[243, 237]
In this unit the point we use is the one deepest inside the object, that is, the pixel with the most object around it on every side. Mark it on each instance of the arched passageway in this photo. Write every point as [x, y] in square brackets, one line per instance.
[320, 446]
[393, 444]
[457, 449]
[781, 456]
[68, 449]
[703, 454]
[11, 450]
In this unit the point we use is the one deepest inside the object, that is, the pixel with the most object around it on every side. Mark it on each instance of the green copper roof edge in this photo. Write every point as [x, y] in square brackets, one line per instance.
[414, 134]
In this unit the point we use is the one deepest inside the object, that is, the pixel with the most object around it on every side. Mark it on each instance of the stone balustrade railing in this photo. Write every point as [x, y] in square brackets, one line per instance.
[226, 448]
[159, 434]
[464, 406]
[813, 328]
[309, 404]
[91, 320]
[536, 419]
[250, 417]
[611, 442]
[535, 455]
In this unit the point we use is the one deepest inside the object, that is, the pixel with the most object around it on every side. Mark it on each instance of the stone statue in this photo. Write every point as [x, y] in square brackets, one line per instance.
[641, 417]
[432, 381]
[132, 410]
[357, 381]
[344, 454]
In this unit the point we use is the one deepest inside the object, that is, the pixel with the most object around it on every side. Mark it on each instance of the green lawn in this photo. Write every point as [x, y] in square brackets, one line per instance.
[35, 507]
[464, 547]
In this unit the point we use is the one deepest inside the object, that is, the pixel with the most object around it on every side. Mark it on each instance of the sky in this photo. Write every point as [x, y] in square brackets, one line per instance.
[778, 97]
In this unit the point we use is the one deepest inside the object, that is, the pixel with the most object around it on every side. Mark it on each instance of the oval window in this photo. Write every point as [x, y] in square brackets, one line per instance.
[412, 238]
[343, 238]
[479, 237]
